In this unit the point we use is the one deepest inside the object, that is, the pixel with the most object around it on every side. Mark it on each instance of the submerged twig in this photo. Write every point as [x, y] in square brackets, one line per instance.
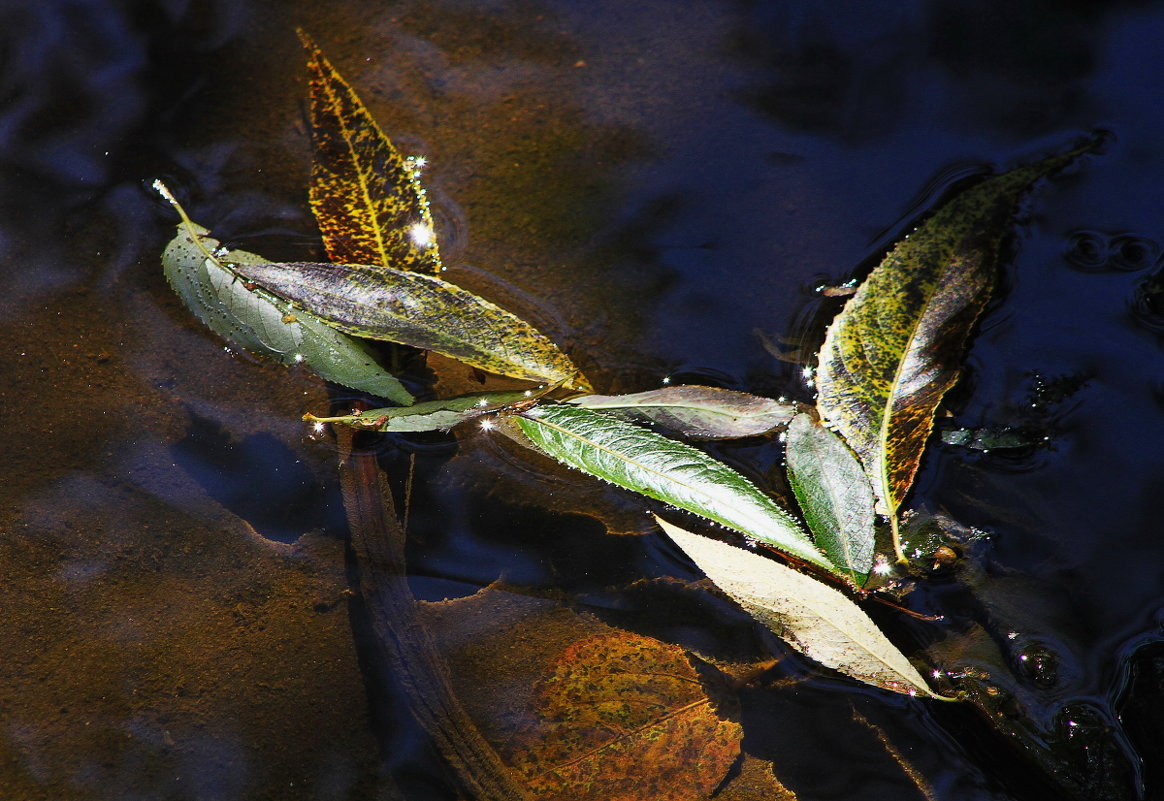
[404, 643]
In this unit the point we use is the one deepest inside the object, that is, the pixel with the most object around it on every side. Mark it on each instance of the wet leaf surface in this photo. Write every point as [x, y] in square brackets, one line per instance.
[810, 616]
[666, 470]
[418, 310]
[896, 348]
[437, 415]
[834, 495]
[698, 412]
[265, 324]
[367, 198]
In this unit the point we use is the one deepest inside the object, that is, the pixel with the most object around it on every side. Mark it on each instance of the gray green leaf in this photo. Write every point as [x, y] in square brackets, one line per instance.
[834, 495]
[437, 415]
[423, 311]
[698, 412]
[263, 323]
[661, 468]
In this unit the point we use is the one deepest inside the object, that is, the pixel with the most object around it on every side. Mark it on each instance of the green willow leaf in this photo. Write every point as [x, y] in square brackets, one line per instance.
[422, 311]
[698, 412]
[661, 468]
[437, 415]
[896, 347]
[263, 323]
[810, 616]
[367, 198]
[834, 494]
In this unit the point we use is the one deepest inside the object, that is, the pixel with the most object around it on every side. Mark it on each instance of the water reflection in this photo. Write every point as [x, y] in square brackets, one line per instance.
[664, 182]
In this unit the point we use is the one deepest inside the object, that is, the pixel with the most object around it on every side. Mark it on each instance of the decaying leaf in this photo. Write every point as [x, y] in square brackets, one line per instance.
[263, 323]
[367, 198]
[834, 495]
[807, 614]
[583, 711]
[666, 470]
[422, 311]
[437, 415]
[625, 717]
[896, 347]
[698, 412]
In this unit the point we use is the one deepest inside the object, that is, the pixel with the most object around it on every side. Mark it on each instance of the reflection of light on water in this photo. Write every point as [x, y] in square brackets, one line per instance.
[421, 235]
[487, 425]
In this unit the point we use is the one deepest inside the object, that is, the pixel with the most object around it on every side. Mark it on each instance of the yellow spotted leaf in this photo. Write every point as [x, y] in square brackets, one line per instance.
[896, 347]
[367, 197]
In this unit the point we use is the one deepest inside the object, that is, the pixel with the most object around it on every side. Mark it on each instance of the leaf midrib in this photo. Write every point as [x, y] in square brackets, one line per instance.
[646, 468]
[361, 173]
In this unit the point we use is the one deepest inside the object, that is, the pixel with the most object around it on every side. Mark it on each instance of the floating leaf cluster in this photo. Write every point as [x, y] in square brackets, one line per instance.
[888, 359]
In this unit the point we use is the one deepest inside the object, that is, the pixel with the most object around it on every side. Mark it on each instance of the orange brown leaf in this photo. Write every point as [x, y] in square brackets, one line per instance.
[367, 198]
[580, 710]
[622, 718]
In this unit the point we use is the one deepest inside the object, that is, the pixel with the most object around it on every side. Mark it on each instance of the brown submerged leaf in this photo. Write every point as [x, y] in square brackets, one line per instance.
[583, 711]
[367, 198]
[623, 718]
[896, 347]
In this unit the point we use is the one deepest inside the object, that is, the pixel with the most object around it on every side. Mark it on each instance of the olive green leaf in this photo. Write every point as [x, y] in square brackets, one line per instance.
[422, 311]
[199, 272]
[367, 198]
[810, 616]
[661, 468]
[896, 347]
[834, 495]
[698, 412]
[437, 415]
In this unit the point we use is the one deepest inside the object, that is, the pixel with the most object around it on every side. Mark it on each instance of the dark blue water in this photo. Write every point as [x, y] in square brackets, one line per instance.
[662, 186]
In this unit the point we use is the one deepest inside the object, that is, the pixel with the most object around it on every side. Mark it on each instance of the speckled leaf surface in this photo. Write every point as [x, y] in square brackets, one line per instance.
[834, 495]
[810, 616]
[698, 412]
[422, 311]
[662, 468]
[622, 718]
[896, 347]
[367, 197]
[263, 323]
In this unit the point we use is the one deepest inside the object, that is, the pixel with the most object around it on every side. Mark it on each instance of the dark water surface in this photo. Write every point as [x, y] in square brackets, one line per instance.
[661, 186]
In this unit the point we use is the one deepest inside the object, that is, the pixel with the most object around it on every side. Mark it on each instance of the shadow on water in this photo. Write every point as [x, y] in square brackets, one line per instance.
[668, 183]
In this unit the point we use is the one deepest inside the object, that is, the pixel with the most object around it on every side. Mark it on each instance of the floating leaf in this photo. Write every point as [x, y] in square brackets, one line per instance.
[698, 412]
[367, 198]
[896, 347]
[810, 616]
[664, 469]
[422, 311]
[261, 322]
[834, 495]
[623, 718]
[437, 415]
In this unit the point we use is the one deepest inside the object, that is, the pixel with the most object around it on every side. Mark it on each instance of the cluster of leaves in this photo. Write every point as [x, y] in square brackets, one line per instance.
[887, 360]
